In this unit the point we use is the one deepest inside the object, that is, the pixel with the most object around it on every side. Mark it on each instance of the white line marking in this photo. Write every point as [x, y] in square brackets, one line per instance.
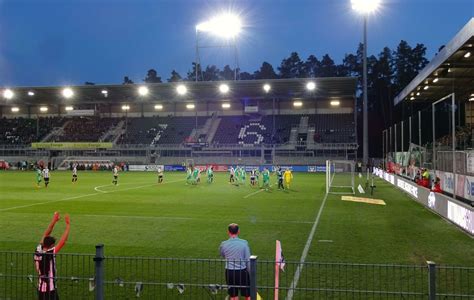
[82, 196]
[256, 192]
[325, 241]
[97, 188]
[294, 283]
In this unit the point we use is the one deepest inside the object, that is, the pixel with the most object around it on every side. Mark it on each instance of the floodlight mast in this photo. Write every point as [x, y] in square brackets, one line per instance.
[365, 7]
[227, 27]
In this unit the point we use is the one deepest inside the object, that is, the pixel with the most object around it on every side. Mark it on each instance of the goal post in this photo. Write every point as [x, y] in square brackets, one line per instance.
[340, 177]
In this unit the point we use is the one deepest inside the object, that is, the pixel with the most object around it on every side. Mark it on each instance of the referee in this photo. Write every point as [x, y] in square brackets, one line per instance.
[236, 252]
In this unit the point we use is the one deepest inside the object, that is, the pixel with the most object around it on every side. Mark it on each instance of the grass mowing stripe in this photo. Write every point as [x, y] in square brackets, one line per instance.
[296, 278]
[83, 196]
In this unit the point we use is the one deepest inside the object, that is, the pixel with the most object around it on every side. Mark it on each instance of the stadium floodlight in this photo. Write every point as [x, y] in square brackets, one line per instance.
[104, 92]
[226, 26]
[267, 87]
[158, 107]
[435, 80]
[224, 88]
[43, 109]
[412, 98]
[426, 87]
[190, 106]
[69, 108]
[15, 109]
[297, 103]
[418, 93]
[335, 103]
[365, 6]
[226, 105]
[8, 94]
[31, 93]
[67, 93]
[467, 55]
[125, 107]
[143, 91]
[181, 89]
[471, 99]
[310, 86]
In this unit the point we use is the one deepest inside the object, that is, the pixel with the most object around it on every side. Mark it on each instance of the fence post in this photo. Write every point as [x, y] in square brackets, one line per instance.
[99, 272]
[253, 277]
[431, 280]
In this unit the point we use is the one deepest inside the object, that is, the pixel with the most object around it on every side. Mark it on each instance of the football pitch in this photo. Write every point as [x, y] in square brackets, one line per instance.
[142, 218]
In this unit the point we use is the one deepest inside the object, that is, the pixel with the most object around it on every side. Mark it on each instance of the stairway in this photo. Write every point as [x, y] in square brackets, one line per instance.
[57, 131]
[113, 133]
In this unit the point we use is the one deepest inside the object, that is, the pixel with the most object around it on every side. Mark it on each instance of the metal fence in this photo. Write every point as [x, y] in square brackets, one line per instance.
[82, 276]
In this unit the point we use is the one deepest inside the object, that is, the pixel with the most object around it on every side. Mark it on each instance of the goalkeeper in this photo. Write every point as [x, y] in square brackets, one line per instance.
[288, 176]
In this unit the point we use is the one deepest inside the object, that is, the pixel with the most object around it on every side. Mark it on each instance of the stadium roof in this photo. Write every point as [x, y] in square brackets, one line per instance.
[453, 67]
[343, 87]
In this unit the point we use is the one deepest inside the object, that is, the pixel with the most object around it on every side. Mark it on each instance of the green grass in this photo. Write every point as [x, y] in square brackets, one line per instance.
[141, 218]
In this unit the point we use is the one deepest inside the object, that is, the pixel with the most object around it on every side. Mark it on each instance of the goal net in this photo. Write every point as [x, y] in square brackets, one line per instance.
[340, 177]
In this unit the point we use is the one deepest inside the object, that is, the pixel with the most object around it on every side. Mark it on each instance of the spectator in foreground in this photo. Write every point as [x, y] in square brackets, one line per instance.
[236, 251]
[45, 260]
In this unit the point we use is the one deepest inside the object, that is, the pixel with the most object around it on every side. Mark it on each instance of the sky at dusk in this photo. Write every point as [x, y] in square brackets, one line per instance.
[61, 42]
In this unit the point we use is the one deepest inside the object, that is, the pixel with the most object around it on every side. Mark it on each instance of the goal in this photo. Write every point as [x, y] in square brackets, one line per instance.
[340, 177]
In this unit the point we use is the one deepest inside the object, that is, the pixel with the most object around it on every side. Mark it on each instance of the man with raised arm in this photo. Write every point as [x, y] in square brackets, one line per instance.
[45, 260]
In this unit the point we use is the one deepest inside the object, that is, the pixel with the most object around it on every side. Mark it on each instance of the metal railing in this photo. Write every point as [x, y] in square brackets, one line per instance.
[83, 276]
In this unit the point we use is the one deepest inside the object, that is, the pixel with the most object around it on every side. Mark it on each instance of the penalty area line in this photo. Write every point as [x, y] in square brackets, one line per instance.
[256, 192]
[296, 278]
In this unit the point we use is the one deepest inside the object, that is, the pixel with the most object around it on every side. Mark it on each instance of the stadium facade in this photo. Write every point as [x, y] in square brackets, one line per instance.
[284, 121]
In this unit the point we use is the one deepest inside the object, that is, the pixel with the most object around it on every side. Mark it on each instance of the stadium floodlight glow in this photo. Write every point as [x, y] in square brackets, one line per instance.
[158, 107]
[418, 93]
[310, 86]
[224, 88]
[335, 103]
[8, 94]
[267, 87]
[43, 109]
[104, 92]
[467, 55]
[471, 99]
[426, 87]
[143, 91]
[365, 6]
[31, 93]
[181, 89]
[226, 26]
[226, 105]
[125, 107]
[69, 108]
[190, 106]
[15, 109]
[67, 93]
[412, 98]
[435, 80]
[297, 104]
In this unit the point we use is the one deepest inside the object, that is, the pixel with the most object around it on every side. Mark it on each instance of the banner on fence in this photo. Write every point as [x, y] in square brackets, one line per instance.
[62, 146]
[172, 168]
[146, 168]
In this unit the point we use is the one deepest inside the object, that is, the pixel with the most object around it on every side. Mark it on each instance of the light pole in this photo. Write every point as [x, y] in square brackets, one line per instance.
[225, 26]
[365, 7]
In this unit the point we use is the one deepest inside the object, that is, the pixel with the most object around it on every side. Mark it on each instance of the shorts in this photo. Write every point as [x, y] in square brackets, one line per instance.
[74, 176]
[115, 177]
[46, 179]
[240, 278]
[51, 295]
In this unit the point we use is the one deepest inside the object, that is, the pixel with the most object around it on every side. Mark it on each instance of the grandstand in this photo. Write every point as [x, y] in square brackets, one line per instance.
[289, 124]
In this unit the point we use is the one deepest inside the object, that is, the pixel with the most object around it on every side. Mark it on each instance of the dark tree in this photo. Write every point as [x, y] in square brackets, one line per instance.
[175, 77]
[291, 67]
[211, 73]
[327, 67]
[246, 76]
[152, 77]
[127, 80]
[191, 76]
[266, 72]
[312, 67]
[227, 73]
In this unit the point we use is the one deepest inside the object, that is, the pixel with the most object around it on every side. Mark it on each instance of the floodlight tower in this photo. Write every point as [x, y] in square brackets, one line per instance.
[365, 7]
[227, 27]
